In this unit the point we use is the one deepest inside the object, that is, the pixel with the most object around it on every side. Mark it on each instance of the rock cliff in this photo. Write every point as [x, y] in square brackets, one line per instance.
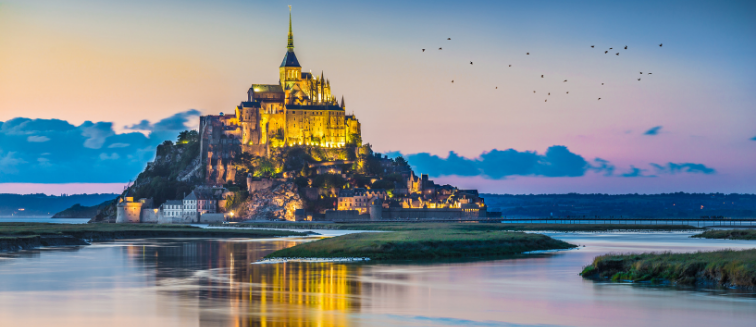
[276, 202]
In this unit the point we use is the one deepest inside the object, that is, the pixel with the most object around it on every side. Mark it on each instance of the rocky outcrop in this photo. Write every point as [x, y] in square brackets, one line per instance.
[277, 202]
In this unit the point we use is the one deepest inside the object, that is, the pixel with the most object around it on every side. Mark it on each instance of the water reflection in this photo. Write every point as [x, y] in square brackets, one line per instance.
[208, 282]
[234, 292]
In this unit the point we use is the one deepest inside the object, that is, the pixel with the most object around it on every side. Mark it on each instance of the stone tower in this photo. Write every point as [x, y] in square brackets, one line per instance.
[290, 70]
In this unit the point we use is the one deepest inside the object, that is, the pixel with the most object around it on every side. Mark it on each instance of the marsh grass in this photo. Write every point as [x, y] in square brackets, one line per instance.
[95, 231]
[429, 243]
[729, 234]
[729, 268]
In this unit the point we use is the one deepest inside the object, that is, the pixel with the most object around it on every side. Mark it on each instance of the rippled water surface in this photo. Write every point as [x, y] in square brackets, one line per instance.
[210, 282]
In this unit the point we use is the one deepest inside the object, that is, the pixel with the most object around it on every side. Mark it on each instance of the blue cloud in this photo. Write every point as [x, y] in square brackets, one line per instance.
[677, 168]
[603, 166]
[558, 161]
[635, 172]
[653, 131]
[56, 151]
[37, 139]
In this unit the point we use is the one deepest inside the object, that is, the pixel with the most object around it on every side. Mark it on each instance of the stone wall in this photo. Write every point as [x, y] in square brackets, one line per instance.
[254, 186]
[211, 218]
[149, 216]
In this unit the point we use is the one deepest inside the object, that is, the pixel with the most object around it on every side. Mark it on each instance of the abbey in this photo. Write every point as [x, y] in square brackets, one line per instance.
[300, 109]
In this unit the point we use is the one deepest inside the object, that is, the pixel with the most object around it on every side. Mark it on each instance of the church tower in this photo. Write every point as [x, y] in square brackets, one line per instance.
[290, 70]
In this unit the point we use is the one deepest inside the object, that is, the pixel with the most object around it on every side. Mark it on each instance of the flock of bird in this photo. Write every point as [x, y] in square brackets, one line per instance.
[565, 81]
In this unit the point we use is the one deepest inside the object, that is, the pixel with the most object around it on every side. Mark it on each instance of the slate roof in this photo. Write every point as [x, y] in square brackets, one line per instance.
[290, 60]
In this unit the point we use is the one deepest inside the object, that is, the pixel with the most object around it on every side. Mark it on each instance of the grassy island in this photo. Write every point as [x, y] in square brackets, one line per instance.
[729, 234]
[727, 268]
[420, 242]
[19, 236]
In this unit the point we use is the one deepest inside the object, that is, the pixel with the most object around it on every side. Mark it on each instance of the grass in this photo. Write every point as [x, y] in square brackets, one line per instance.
[471, 226]
[729, 268]
[729, 234]
[424, 243]
[94, 231]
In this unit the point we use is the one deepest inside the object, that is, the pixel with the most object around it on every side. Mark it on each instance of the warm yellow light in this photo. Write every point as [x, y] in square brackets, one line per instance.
[232, 214]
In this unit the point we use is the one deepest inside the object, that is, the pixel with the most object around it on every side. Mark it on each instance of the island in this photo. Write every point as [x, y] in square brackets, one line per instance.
[725, 268]
[425, 242]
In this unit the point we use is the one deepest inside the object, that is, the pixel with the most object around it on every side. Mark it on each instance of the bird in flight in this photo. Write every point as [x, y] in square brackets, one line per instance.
[591, 46]
[599, 98]
[639, 80]
[471, 63]
[607, 51]
[549, 93]
[602, 83]
[423, 50]
[625, 47]
[611, 48]
[448, 39]
[533, 91]
[641, 73]
[527, 53]
[497, 87]
[565, 81]
[618, 53]
[510, 65]
[545, 100]
[649, 73]
[568, 92]
[439, 48]
[660, 44]
[541, 76]
[452, 81]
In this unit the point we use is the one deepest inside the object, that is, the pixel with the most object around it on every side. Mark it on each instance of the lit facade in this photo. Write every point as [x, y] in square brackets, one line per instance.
[299, 110]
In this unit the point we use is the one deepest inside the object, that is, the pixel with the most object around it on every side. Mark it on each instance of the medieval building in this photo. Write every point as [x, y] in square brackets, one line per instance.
[299, 110]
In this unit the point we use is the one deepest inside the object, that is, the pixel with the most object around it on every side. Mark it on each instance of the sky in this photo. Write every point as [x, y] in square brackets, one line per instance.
[76, 74]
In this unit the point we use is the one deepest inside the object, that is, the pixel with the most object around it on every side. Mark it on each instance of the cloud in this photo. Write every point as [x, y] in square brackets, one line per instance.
[37, 139]
[96, 133]
[636, 172]
[143, 125]
[677, 168]
[558, 161]
[653, 131]
[56, 151]
[172, 123]
[753, 139]
[9, 163]
[603, 166]
[105, 156]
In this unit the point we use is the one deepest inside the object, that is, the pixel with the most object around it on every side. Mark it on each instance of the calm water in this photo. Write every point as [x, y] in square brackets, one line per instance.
[213, 283]
[40, 219]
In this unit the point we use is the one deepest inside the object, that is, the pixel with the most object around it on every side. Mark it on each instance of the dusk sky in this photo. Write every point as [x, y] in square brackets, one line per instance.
[78, 76]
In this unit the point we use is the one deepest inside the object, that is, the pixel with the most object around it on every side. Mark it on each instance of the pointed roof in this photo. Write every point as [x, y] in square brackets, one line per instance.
[290, 59]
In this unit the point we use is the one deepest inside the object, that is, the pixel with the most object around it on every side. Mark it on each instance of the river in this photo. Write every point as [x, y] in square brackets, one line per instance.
[211, 282]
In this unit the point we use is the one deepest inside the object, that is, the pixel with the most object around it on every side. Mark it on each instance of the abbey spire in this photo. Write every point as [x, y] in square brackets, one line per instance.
[290, 59]
[290, 45]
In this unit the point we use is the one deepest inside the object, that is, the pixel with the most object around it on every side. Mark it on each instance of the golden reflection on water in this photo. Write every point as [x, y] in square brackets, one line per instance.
[234, 292]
